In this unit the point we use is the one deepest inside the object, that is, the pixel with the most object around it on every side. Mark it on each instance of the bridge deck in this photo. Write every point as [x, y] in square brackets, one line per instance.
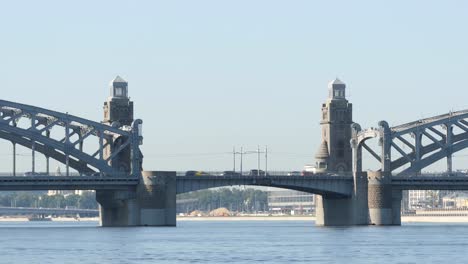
[430, 182]
[337, 186]
[191, 183]
[16, 183]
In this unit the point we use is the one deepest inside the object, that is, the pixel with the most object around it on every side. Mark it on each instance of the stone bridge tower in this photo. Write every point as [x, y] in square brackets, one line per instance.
[118, 110]
[153, 201]
[335, 153]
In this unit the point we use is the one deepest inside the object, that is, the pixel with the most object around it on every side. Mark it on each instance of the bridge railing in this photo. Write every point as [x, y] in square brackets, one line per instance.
[71, 174]
[255, 173]
[307, 174]
[434, 174]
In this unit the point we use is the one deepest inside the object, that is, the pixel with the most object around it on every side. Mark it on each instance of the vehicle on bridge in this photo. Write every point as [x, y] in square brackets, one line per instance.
[307, 173]
[258, 173]
[230, 173]
[190, 173]
[295, 173]
[196, 173]
[30, 173]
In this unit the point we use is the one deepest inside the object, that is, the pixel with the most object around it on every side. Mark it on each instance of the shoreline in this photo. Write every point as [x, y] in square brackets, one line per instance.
[246, 218]
[55, 219]
[404, 219]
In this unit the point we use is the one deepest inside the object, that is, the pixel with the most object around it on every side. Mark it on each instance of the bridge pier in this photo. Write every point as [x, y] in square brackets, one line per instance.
[157, 198]
[152, 203]
[117, 208]
[333, 211]
[384, 208]
[360, 199]
[344, 211]
[396, 207]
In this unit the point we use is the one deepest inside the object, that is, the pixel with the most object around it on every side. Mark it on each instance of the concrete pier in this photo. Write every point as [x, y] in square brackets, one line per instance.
[360, 199]
[157, 198]
[396, 207]
[152, 203]
[354, 210]
[117, 208]
[380, 198]
[331, 211]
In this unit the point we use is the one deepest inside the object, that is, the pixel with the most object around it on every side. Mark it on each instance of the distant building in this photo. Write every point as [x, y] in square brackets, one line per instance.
[290, 202]
[455, 200]
[58, 172]
[423, 199]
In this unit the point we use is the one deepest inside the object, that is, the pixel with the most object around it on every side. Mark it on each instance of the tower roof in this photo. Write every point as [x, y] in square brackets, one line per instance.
[322, 152]
[119, 79]
[335, 83]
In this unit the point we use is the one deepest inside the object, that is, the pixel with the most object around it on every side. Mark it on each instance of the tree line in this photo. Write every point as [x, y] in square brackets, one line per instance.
[234, 199]
[40, 200]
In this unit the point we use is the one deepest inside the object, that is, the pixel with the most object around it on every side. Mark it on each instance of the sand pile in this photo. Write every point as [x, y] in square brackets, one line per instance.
[196, 213]
[220, 212]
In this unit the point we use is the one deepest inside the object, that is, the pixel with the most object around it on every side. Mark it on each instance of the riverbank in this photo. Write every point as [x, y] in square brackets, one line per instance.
[246, 218]
[56, 219]
[434, 219]
[404, 219]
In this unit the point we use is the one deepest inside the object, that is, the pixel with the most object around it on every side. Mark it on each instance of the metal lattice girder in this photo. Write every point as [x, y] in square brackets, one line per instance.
[63, 149]
[437, 131]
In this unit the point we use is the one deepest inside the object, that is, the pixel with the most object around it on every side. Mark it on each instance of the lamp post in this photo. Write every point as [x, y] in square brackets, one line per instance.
[242, 152]
[258, 160]
[234, 159]
[266, 160]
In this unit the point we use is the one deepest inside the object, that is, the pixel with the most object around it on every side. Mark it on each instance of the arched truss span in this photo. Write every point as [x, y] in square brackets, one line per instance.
[424, 142]
[68, 147]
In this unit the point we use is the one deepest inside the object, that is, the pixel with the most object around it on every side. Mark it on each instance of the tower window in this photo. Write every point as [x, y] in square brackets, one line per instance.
[118, 91]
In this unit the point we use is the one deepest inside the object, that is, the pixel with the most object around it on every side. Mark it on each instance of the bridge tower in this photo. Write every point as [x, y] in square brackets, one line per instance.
[118, 106]
[118, 110]
[153, 201]
[335, 153]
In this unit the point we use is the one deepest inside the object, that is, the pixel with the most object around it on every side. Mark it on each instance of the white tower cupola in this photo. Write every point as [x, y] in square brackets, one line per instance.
[336, 89]
[119, 88]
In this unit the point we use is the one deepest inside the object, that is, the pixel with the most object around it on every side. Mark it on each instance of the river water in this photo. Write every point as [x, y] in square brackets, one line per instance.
[231, 242]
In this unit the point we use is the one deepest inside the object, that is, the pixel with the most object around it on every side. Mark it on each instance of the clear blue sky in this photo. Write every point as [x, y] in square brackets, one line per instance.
[209, 75]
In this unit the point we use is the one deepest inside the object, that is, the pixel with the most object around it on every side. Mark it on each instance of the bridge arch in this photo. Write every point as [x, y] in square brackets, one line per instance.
[69, 148]
[328, 186]
[428, 140]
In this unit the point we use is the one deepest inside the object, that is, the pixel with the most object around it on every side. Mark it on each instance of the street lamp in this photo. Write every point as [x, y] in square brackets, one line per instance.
[242, 152]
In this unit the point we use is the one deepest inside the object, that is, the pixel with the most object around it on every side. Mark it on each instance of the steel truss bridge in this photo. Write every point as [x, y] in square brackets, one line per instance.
[62, 137]
[325, 184]
[95, 150]
[409, 148]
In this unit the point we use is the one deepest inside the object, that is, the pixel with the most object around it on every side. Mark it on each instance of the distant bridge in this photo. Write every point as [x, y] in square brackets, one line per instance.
[47, 211]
